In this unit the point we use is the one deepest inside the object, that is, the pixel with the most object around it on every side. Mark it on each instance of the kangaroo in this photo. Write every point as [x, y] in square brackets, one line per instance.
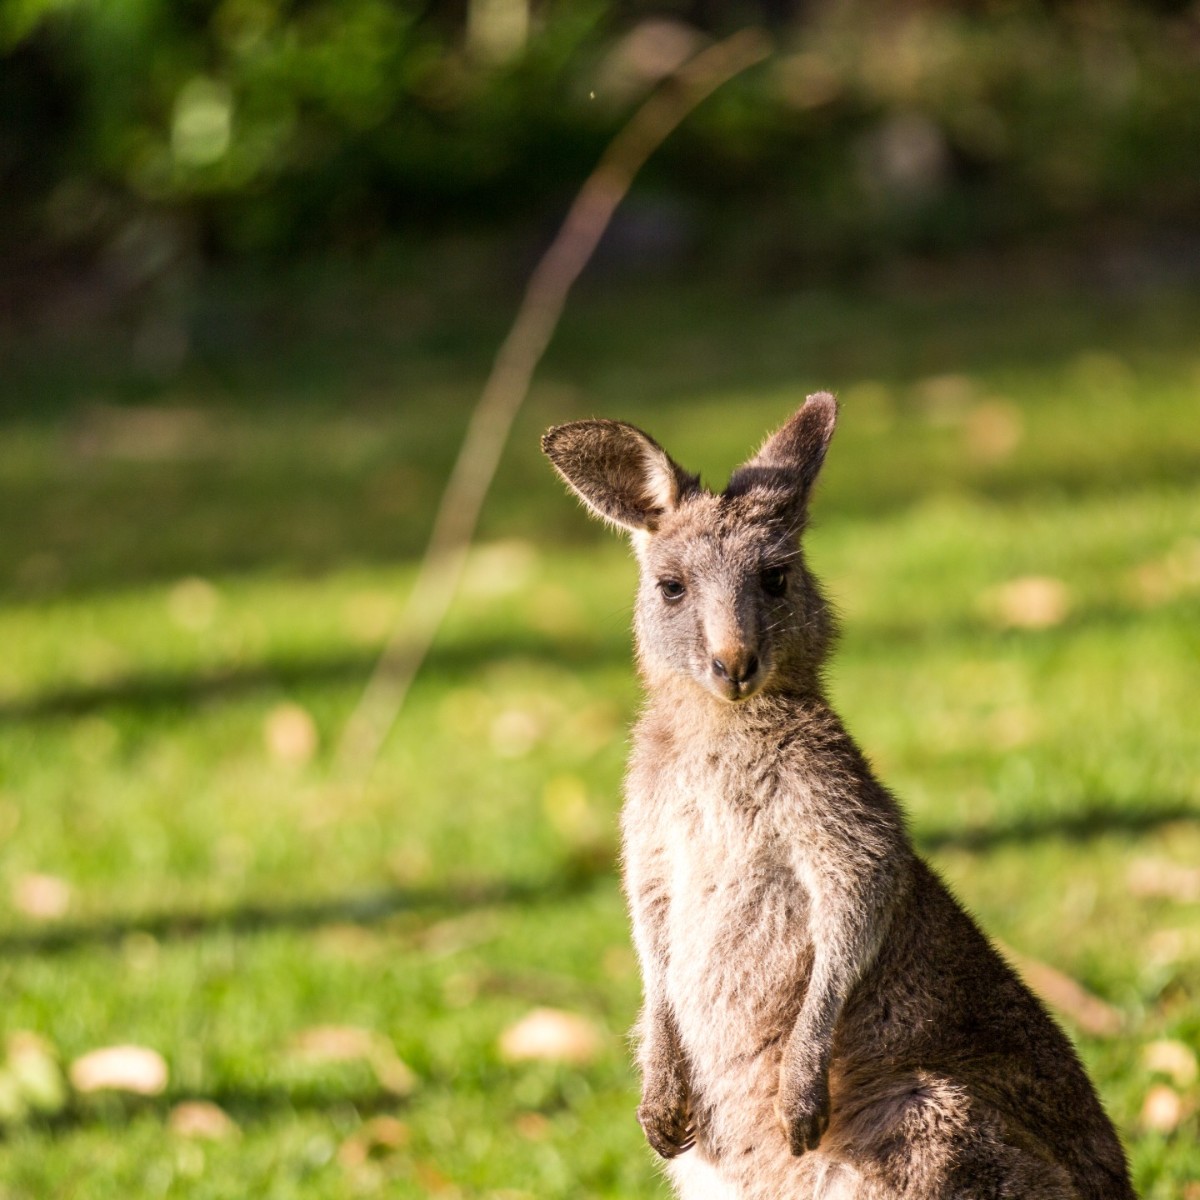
[821, 1020]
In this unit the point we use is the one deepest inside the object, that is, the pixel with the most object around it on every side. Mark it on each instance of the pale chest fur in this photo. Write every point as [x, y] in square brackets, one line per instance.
[736, 916]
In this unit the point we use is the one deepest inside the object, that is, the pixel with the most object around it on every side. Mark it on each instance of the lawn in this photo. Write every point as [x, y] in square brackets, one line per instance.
[199, 572]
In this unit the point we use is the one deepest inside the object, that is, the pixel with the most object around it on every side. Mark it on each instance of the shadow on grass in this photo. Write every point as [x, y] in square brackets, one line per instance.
[247, 1105]
[575, 877]
[465, 658]
[180, 688]
[1089, 823]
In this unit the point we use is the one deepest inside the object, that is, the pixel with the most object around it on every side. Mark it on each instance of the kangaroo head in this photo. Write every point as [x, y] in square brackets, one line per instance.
[724, 599]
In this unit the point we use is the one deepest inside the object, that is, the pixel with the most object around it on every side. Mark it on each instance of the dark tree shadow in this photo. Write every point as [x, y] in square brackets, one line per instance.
[245, 1104]
[575, 878]
[1085, 825]
[180, 689]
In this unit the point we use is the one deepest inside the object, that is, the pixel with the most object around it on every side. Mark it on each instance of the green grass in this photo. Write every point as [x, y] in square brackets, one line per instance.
[184, 558]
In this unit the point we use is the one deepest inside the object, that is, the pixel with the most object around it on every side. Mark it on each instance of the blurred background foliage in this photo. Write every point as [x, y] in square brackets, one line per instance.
[264, 128]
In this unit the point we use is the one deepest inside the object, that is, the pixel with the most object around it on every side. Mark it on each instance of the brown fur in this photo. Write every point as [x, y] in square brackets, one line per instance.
[821, 1018]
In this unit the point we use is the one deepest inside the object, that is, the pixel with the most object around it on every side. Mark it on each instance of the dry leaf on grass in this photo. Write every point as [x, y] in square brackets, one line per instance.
[1160, 879]
[1065, 995]
[136, 1069]
[350, 1043]
[993, 430]
[378, 1138]
[290, 734]
[202, 1119]
[334, 1043]
[532, 1126]
[551, 1035]
[1162, 1110]
[44, 897]
[192, 604]
[1031, 602]
[1171, 1058]
[32, 1075]
[515, 732]
[433, 1180]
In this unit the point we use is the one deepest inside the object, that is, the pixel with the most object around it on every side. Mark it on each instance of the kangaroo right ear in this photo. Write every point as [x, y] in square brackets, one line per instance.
[788, 464]
[620, 473]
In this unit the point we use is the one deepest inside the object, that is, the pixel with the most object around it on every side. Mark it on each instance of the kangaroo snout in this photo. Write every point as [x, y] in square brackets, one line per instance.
[736, 670]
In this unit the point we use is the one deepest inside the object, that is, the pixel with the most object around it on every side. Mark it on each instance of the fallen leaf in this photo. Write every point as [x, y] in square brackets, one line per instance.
[993, 431]
[532, 1126]
[135, 1069]
[1162, 1110]
[290, 734]
[44, 897]
[515, 732]
[1031, 602]
[33, 1066]
[1064, 994]
[1160, 879]
[350, 1043]
[334, 1043]
[1173, 1059]
[202, 1119]
[432, 1179]
[378, 1138]
[551, 1035]
[1171, 947]
[393, 1074]
[192, 604]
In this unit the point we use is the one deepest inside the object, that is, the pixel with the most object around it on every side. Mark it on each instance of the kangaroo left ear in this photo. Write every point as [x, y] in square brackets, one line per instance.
[787, 466]
[622, 474]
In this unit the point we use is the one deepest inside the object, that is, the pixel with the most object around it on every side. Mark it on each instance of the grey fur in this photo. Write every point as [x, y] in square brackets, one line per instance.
[821, 1019]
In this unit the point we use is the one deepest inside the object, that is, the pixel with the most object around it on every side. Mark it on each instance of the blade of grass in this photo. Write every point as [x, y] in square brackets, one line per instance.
[487, 432]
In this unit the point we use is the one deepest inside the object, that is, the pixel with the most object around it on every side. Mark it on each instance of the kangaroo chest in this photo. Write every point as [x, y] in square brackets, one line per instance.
[737, 916]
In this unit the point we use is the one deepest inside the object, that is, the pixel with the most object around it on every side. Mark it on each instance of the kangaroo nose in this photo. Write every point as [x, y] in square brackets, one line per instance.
[737, 668]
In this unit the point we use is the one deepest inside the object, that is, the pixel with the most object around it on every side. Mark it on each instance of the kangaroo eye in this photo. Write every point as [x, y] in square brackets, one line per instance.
[672, 590]
[774, 581]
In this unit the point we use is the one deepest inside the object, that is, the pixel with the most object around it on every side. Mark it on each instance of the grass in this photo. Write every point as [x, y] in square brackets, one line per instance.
[190, 562]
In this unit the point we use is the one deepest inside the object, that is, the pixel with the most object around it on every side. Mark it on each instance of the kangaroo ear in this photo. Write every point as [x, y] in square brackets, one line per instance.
[787, 466]
[620, 473]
